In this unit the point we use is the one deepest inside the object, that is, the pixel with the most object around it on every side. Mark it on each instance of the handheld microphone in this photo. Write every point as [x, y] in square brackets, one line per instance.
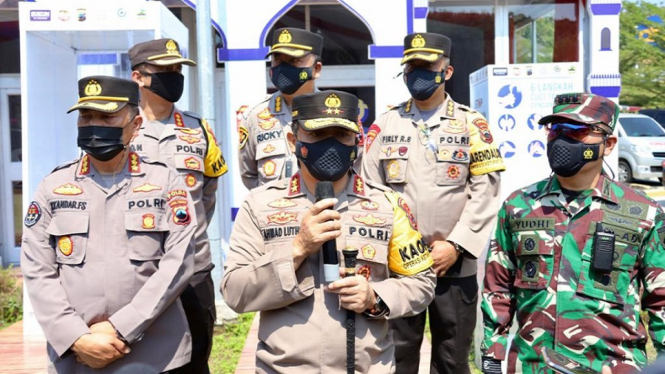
[324, 190]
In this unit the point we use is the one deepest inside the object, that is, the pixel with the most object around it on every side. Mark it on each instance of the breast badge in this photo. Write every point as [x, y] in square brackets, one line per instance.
[65, 245]
[393, 169]
[455, 126]
[148, 221]
[368, 252]
[269, 168]
[190, 139]
[190, 180]
[282, 218]
[68, 189]
[369, 220]
[453, 172]
[192, 164]
[146, 188]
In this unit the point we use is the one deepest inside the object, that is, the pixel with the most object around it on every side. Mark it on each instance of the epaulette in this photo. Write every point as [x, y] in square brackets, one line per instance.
[68, 163]
[466, 108]
[378, 186]
[265, 99]
[151, 161]
[192, 114]
[400, 105]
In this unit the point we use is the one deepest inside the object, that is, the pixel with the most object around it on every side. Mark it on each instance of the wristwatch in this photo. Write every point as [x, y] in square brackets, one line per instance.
[458, 248]
[379, 309]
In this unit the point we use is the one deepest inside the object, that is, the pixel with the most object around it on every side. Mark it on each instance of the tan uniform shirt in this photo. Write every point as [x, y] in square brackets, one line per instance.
[302, 326]
[124, 255]
[188, 144]
[446, 169]
[263, 153]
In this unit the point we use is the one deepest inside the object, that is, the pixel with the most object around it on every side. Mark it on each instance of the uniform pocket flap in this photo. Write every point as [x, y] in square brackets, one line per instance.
[394, 151]
[145, 221]
[270, 149]
[453, 154]
[68, 224]
[188, 162]
[367, 251]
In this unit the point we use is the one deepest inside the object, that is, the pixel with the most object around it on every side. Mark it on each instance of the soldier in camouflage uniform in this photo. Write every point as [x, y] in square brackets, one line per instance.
[575, 257]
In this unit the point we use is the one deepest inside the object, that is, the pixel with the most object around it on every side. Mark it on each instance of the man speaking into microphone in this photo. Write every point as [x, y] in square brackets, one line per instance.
[276, 261]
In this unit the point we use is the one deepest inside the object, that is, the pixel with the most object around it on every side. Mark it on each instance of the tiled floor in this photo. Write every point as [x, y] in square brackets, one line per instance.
[246, 363]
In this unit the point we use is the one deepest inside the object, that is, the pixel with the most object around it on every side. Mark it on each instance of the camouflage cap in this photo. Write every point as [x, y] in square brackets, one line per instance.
[319, 110]
[584, 108]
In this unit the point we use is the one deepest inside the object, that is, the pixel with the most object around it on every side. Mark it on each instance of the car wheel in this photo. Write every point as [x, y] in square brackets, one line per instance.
[625, 173]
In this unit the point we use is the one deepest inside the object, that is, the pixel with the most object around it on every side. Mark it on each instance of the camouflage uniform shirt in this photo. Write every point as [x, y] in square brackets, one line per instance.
[539, 268]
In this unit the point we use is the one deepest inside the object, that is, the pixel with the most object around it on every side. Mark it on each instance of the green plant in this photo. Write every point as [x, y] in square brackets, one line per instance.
[228, 343]
[11, 298]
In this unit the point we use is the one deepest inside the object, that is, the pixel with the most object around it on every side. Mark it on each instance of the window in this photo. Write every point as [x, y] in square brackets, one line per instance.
[543, 31]
[470, 26]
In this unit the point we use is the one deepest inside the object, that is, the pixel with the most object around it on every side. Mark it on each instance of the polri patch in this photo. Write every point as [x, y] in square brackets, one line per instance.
[33, 215]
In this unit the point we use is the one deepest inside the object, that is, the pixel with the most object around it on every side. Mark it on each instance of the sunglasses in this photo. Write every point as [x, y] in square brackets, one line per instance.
[573, 130]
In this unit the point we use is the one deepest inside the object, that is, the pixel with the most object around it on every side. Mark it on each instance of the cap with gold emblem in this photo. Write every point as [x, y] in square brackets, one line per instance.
[160, 52]
[323, 109]
[296, 42]
[426, 46]
[106, 94]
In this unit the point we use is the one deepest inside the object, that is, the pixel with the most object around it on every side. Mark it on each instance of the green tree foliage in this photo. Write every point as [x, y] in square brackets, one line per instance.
[642, 65]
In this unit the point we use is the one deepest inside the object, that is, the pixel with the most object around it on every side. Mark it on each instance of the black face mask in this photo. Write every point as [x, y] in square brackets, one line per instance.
[167, 84]
[288, 78]
[101, 142]
[327, 159]
[422, 83]
[567, 156]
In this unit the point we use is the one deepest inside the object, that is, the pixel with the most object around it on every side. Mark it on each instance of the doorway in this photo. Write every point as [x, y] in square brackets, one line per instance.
[11, 196]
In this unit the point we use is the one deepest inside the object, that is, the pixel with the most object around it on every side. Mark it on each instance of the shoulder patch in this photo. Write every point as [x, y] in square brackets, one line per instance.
[408, 252]
[33, 214]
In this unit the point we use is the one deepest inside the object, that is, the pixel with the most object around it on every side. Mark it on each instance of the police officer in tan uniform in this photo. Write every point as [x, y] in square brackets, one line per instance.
[186, 142]
[108, 247]
[275, 264]
[263, 151]
[441, 156]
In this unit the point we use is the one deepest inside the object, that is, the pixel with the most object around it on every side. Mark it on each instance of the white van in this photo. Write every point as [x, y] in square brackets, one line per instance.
[641, 148]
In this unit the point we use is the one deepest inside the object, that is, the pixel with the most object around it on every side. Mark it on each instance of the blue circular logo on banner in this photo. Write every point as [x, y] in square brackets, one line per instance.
[507, 122]
[510, 97]
[507, 149]
[533, 121]
[536, 148]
